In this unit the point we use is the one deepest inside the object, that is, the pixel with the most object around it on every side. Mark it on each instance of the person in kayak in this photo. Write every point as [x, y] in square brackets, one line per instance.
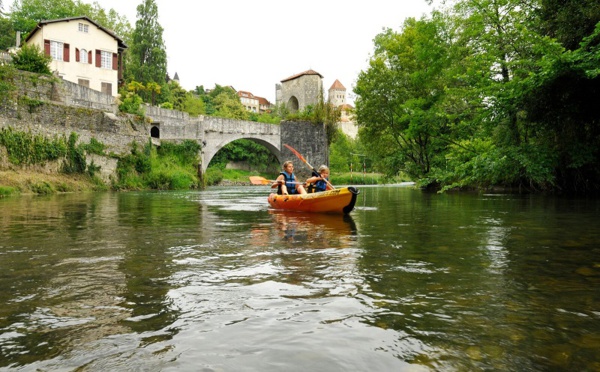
[320, 183]
[287, 181]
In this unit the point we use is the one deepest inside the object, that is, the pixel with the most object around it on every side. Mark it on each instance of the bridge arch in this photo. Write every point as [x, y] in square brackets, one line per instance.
[209, 151]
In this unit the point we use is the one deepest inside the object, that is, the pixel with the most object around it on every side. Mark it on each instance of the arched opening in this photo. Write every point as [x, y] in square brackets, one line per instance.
[155, 132]
[226, 158]
[292, 104]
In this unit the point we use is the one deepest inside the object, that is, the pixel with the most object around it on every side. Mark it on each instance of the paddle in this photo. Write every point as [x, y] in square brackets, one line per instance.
[314, 171]
[257, 180]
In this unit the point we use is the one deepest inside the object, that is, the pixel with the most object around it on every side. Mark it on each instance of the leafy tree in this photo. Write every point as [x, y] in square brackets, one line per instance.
[148, 62]
[25, 14]
[7, 33]
[401, 97]
[224, 102]
[31, 58]
[569, 21]
[193, 105]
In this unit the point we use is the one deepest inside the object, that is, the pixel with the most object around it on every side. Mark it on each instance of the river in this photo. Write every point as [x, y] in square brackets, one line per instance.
[214, 280]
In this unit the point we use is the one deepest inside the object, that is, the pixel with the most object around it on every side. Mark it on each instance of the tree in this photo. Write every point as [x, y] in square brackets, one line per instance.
[7, 34]
[402, 97]
[31, 58]
[148, 56]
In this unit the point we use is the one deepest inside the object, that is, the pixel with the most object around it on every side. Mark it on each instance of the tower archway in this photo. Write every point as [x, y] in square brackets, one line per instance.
[293, 104]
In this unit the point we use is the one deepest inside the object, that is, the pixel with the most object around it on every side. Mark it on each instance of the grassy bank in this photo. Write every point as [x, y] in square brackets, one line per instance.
[32, 182]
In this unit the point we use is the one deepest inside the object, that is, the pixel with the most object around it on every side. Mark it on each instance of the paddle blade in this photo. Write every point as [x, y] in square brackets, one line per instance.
[256, 180]
[299, 155]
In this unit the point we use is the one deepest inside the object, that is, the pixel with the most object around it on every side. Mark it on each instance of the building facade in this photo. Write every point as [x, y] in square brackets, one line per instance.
[82, 51]
[300, 90]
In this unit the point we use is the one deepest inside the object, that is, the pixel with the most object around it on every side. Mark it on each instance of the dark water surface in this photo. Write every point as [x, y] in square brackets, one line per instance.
[215, 281]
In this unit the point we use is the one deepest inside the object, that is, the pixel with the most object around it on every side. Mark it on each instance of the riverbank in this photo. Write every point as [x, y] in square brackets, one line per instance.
[32, 182]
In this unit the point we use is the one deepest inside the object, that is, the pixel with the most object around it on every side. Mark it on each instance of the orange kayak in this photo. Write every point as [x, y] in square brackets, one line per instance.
[332, 201]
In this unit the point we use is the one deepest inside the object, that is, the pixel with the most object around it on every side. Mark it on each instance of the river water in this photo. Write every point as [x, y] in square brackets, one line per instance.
[215, 281]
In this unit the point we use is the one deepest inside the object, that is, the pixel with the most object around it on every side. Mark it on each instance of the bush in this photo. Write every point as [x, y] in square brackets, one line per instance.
[31, 58]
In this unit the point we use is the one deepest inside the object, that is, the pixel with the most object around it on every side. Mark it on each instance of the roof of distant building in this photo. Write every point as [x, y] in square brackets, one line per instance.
[307, 72]
[337, 85]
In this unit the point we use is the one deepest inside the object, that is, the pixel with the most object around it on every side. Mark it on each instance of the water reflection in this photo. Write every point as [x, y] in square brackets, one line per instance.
[216, 280]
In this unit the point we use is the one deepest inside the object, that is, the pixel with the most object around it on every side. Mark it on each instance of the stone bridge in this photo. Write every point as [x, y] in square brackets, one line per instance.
[214, 133]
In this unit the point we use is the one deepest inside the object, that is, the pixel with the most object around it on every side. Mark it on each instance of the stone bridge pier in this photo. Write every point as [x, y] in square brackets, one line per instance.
[214, 133]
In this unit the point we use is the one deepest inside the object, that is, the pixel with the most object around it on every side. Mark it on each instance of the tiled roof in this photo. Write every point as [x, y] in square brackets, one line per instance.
[307, 72]
[69, 19]
[337, 85]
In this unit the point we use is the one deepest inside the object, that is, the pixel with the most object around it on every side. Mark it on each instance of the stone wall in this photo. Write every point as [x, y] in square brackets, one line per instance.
[310, 140]
[44, 105]
[51, 107]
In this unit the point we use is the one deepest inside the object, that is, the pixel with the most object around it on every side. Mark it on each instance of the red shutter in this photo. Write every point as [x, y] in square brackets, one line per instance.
[76, 54]
[98, 58]
[115, 61]
[47, 47]
[66, 52]
[90, 57]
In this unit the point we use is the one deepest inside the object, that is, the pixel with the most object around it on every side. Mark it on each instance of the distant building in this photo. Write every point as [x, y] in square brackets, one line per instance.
[254, 103]
[300, 90]
[82, 52]
[337, 97]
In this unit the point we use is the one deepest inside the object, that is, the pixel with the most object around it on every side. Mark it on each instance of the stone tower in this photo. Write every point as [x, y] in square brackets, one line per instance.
[337, 94]
[300, 90]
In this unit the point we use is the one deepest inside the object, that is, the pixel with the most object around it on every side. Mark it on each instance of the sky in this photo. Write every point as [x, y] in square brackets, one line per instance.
[253, 45]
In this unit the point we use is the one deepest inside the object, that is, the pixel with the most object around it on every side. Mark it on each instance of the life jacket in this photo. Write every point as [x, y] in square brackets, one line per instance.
[290, 180]
[320, 185]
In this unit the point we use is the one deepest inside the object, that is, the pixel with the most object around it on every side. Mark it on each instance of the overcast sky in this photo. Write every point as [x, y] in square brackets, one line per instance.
[253, 45]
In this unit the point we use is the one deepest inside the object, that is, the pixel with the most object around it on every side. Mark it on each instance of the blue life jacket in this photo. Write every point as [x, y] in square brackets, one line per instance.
[289, 183]
[321, 185]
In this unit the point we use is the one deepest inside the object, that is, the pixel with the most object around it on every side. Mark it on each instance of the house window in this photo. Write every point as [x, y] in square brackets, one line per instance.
[84, 28]
[106, 58]
[83, 82]
[83, 56]
[106, 88]
[56, 50]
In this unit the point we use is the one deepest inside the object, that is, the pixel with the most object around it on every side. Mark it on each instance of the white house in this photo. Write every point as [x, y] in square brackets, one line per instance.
[82, 52]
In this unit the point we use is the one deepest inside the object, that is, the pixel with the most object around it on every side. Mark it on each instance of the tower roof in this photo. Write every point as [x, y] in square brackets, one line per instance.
[337, 85]
[307, 72]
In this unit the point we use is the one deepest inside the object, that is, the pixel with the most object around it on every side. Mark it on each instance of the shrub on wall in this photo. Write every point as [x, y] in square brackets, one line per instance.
[31, 58]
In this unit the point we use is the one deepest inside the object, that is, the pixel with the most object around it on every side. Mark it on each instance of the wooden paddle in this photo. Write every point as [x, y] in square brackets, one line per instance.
[299, 155]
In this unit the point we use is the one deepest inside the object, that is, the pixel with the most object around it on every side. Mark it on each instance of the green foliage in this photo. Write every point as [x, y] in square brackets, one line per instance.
[25, 14]
[27, 148]
[147, 52]
[75, 161]
[7, 87]
[244, 150]
[42, 188]
[172, 166]
[480, 94]
[193, 105]
[322, 112]
[213, 176]
[131, 102]
[265, 117]
[94, 147]
[31, 58]
[7, 33]
[7, 191]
